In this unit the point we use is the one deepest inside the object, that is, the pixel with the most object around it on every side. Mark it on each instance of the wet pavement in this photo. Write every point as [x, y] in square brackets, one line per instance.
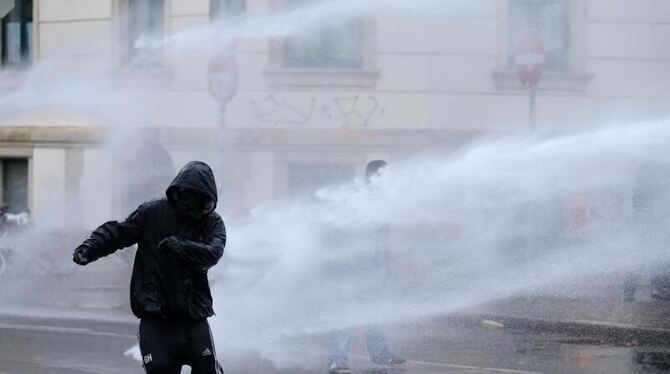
[29, 345]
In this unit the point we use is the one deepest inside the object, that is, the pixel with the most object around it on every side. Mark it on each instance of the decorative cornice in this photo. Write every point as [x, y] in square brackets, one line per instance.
[356, 78]
[550, 81]
[93, 136]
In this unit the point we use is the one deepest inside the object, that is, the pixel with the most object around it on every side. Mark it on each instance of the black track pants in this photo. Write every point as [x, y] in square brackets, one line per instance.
[168, 345]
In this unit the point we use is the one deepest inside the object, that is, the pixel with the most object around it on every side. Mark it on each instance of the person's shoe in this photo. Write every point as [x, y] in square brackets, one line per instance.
[339, 369]
[392, 360]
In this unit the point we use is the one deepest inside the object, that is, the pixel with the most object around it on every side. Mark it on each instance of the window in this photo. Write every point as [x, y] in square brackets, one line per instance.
[17, 34]
[552, 19]
[221, 8]
[146, 30]
[307, 178]
[15, 184]
[564, 30]
[334, 46]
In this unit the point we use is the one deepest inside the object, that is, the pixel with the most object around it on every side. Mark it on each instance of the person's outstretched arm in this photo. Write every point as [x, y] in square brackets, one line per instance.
[196, 255]
[110, 237]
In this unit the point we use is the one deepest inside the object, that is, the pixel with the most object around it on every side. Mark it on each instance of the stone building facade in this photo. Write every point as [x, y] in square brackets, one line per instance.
[312, 105]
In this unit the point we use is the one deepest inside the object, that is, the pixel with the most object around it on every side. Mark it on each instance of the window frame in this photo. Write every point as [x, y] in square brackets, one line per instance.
[28, 44]
[2, 179]
[563, 65]
[122, 17]
[23, 153]
[332, 62]
[281, 162]
[293, 167]
[213, 17]
[280, 76]
[574, 78]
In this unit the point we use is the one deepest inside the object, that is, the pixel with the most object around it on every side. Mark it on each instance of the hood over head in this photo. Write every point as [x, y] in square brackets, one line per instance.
[373, 168]
[198, 177]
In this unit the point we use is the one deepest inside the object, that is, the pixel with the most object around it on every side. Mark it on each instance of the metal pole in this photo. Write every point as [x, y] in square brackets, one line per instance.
[223, 153]
[221, 136]
[222, 119]
[532, 107]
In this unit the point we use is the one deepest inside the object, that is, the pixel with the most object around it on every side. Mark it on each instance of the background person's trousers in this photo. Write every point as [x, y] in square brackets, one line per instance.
[378, 346]
[166, 346]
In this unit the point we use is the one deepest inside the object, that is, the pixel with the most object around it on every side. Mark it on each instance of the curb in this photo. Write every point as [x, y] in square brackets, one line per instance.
[82, 314]
[594, 332]
[599, 332]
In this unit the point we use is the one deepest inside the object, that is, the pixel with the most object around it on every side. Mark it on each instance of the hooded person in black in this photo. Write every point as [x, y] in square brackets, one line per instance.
[180, 237]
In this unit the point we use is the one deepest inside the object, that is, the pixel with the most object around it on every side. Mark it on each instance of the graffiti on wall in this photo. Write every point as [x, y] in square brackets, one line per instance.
[276, 111]
[345, 111]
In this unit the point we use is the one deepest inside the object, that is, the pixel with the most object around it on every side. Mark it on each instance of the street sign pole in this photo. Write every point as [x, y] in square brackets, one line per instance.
[529, 60]
[222, 77]
[532, 107]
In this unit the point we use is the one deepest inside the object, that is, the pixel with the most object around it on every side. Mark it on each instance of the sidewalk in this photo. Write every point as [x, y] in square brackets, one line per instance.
[100, 291]
[606, 318]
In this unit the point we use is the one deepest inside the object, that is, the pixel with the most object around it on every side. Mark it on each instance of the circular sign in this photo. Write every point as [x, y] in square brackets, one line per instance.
[529, 57]
[222, 76]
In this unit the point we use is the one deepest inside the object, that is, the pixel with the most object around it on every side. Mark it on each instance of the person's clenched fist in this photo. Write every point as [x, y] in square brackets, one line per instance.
[81, 255]
[169, 244]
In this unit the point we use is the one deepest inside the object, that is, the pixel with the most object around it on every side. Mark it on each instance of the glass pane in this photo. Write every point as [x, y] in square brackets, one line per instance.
[339, 46]
[220, 8]
[13, 39]
[552, 19]
[18, 34]
[15, 184]
[333, 46]
[146, 32]
[307, 178]
[29, 40]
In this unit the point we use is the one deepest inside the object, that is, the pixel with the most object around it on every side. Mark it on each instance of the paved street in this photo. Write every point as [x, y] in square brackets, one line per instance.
[437, 346]
[48, 346]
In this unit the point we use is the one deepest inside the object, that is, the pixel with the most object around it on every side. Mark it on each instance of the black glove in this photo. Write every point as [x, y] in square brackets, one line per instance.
[82, 255]
[169, 244]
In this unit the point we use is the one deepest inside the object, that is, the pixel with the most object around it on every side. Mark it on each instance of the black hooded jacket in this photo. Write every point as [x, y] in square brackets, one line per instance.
[168, 281]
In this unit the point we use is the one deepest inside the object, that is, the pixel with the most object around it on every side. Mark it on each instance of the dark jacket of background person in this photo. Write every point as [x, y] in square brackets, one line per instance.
[169, 279]
[149, 171]
[364, 250]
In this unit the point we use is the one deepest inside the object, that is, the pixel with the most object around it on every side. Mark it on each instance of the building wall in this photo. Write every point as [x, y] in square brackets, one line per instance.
[428, 81]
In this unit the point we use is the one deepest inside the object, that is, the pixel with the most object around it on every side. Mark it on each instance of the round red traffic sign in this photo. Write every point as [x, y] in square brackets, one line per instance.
[222, 76]
[529, 57]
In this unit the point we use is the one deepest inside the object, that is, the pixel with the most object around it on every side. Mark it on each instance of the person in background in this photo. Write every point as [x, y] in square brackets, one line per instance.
[651, 213]
[150, 169]
[378, 346]
[180, 237]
